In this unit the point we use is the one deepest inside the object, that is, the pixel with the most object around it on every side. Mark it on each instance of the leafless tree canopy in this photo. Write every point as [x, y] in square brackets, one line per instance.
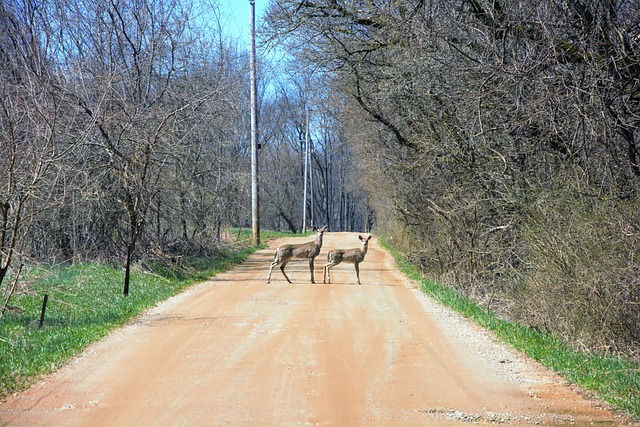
[500, 141]
[495, 142]
[124, 135]
[121, 129]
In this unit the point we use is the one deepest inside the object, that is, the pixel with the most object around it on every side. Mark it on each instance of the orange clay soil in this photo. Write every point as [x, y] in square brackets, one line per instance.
[236, 351]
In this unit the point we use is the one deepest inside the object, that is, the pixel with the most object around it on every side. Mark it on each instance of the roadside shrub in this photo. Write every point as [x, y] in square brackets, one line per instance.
[584, 277]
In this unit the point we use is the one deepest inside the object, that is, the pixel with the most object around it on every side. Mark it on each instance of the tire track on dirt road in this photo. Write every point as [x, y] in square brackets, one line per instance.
[235, 350]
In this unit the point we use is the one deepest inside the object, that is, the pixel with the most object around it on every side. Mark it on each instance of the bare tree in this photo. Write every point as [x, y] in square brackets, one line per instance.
[334, 193]
[139, 81]
[33, 139]
[470, 117]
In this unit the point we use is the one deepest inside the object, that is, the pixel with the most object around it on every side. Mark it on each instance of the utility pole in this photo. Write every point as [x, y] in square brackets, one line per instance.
[311, 211]
[255, 200]
[306, 166]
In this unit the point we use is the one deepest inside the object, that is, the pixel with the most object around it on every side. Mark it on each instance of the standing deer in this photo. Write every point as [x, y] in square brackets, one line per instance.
[308, 250]
[354, 256]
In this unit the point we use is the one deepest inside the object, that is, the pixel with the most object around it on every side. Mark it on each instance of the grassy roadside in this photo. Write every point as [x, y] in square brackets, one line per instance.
[85, 303]
[614, 380]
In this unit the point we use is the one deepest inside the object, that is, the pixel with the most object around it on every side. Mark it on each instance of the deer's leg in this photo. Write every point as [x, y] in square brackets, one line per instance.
[327, 273]
[357, 266]
[325, 270]
[311, 269]
[284, 264]
[273, 264]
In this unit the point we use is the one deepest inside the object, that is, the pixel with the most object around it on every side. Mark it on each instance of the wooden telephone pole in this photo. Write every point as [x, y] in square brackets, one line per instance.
[306, 174]
[255, 200]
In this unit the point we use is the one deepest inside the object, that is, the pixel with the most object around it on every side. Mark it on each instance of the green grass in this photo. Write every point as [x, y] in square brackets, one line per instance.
[615, 380]
[85, 302]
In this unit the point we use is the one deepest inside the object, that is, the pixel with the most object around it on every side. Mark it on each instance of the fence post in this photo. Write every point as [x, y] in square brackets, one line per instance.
[44, 308]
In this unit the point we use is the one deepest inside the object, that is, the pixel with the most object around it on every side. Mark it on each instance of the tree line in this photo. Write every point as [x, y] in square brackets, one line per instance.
[495, 142]
[124, 136]
[499, 145]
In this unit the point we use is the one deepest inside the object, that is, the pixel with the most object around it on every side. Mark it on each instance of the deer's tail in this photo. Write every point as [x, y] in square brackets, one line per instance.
[277, 256]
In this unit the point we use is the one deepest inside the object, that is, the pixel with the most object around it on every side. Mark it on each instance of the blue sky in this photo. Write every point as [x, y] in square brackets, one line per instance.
[237, 13]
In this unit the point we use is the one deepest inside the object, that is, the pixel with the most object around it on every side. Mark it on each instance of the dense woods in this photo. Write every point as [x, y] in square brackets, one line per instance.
[500, 142]
[496, 143]
[124, 136]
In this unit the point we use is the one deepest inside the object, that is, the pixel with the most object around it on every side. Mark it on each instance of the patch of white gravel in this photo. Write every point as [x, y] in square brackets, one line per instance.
[479, 349]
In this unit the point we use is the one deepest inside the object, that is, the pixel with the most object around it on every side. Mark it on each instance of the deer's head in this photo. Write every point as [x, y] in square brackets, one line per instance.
[365, 241]
[320, 231]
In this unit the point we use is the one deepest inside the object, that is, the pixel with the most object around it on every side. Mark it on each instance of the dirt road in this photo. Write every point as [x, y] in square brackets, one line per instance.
[236, 351]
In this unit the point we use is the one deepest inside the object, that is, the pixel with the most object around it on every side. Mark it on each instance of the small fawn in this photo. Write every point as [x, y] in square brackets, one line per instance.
[308, 250]
[354, 256]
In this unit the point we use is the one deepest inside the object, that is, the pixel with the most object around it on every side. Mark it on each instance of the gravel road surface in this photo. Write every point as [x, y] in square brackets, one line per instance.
[236, 351]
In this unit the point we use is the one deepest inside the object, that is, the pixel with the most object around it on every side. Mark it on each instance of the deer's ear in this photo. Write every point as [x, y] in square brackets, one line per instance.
[369, 238]
[360, 237]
